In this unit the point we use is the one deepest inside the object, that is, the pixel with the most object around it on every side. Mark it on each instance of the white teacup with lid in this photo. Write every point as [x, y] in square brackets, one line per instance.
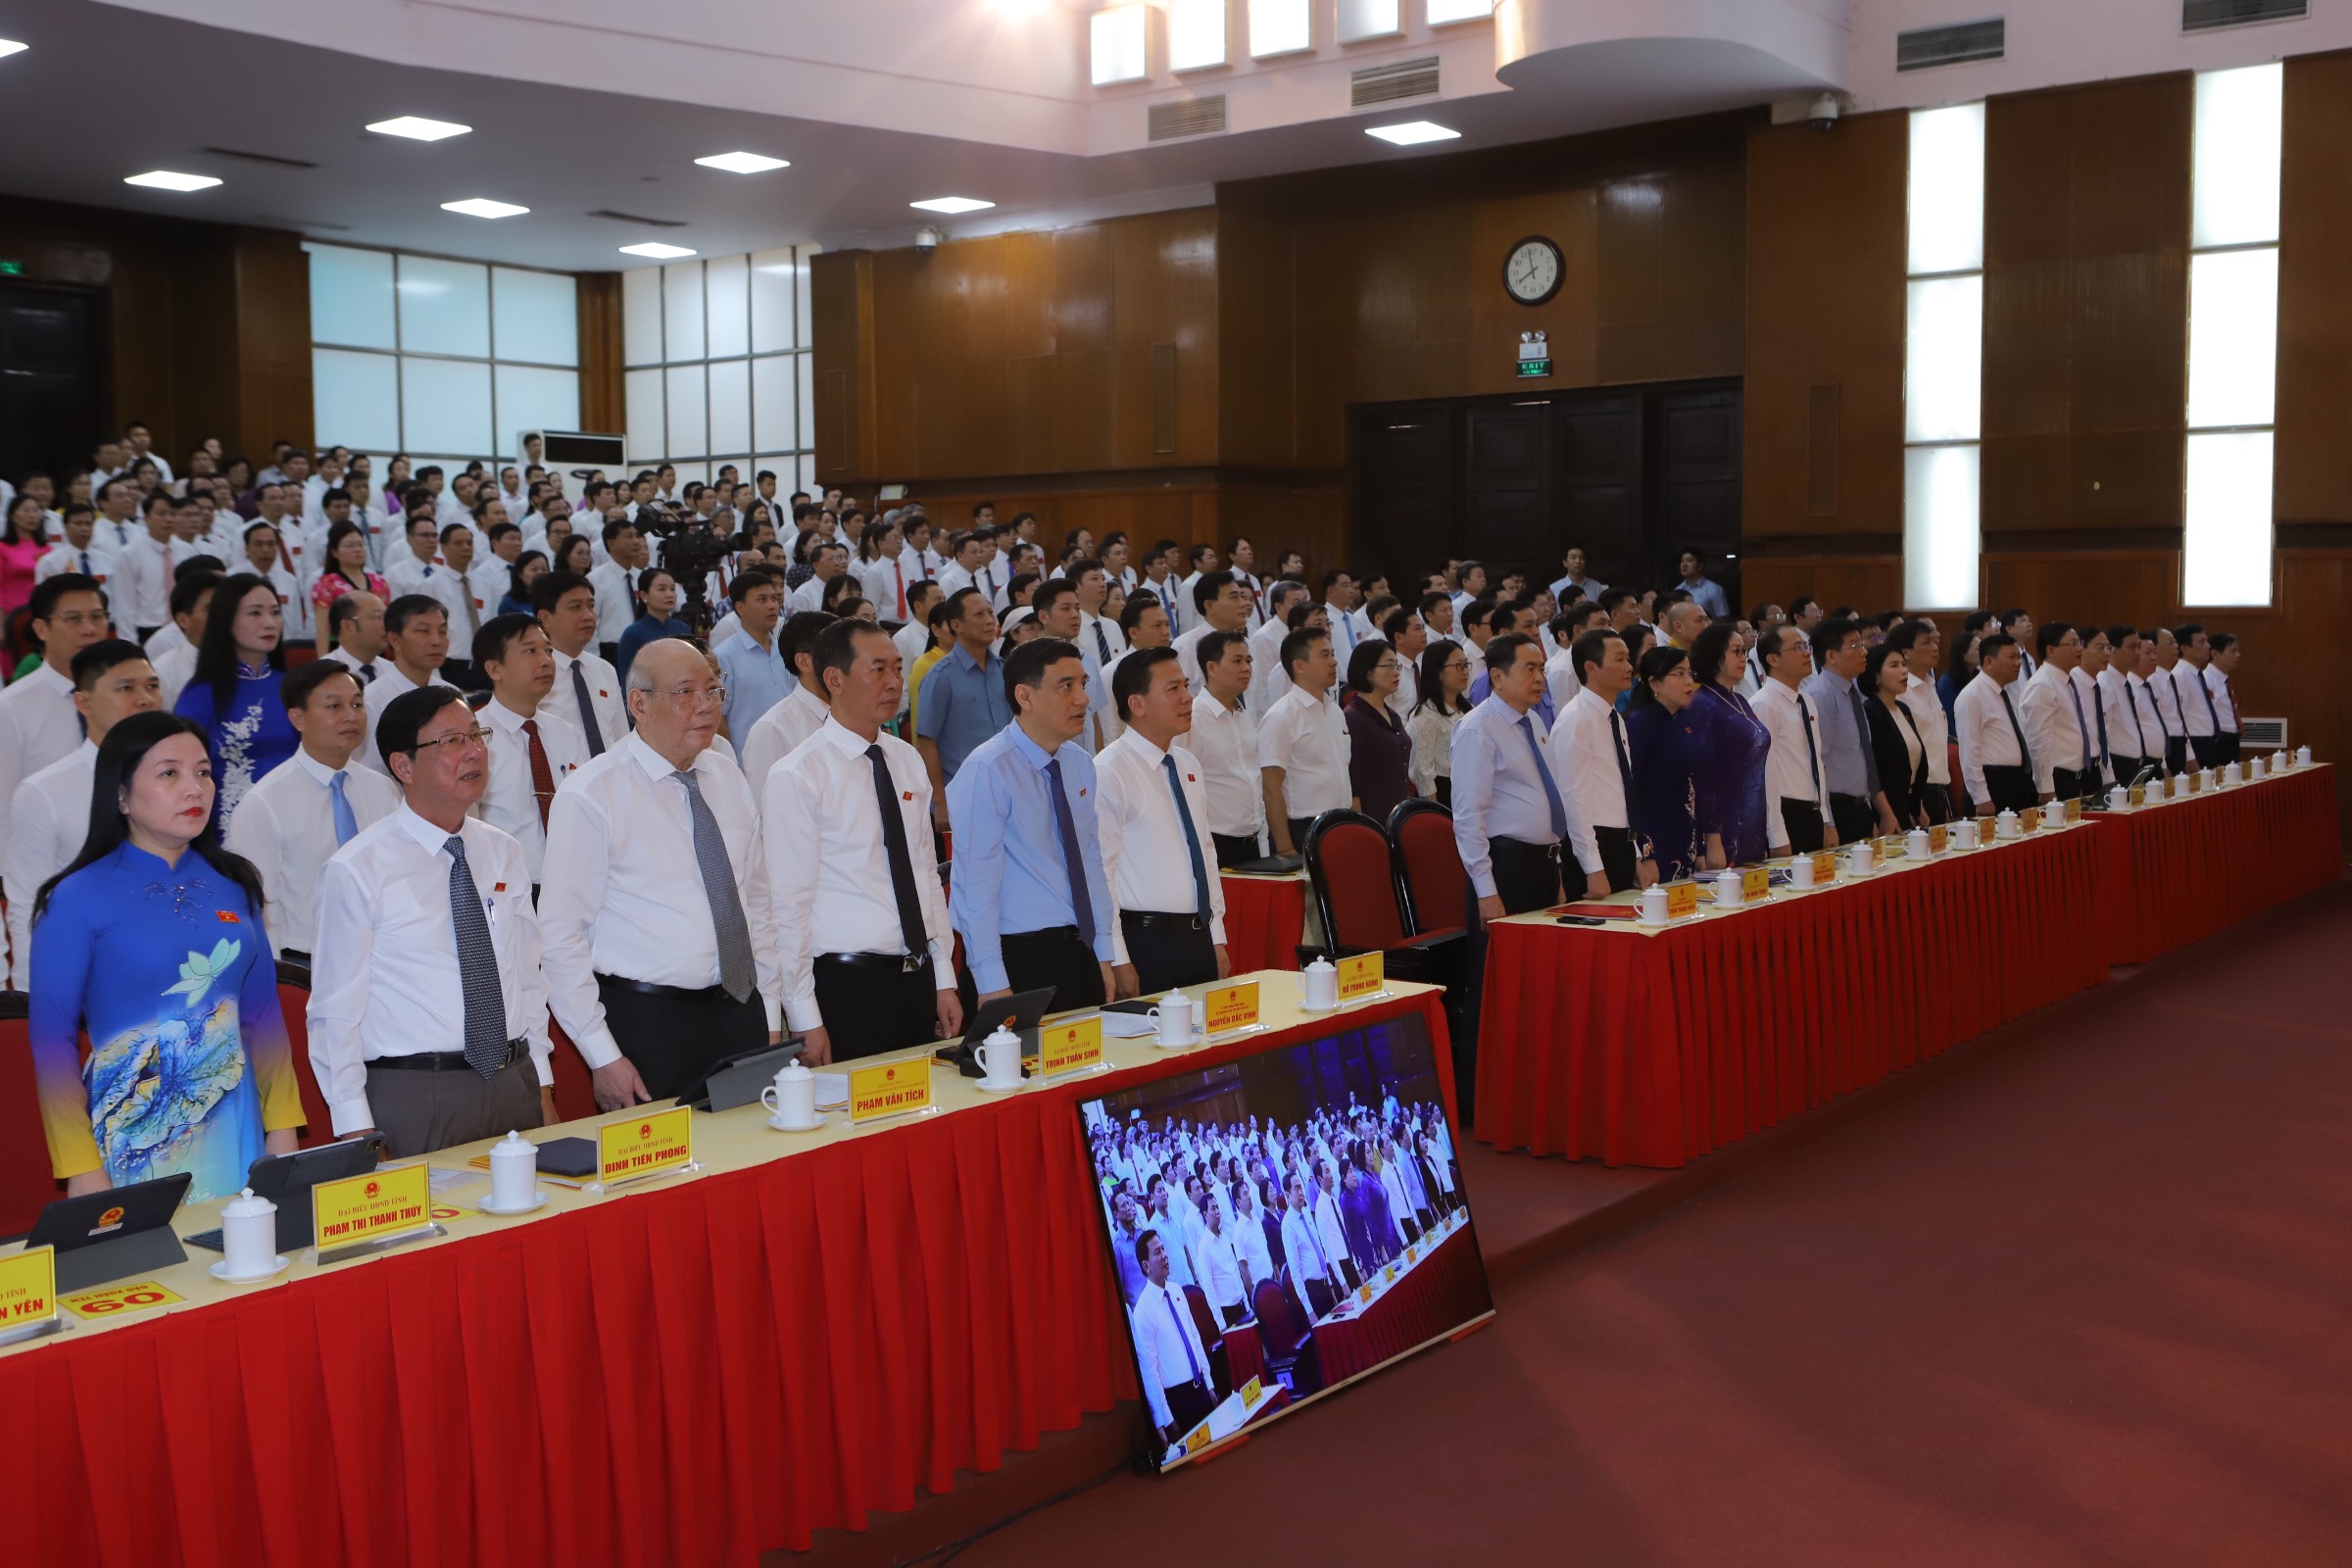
[1321, 984]
[248, 1240]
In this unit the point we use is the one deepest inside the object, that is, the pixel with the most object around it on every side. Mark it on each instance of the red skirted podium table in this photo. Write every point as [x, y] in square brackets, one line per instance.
[1265, 920]
[811, 1329]
[2179, 870]
[1433, 1293]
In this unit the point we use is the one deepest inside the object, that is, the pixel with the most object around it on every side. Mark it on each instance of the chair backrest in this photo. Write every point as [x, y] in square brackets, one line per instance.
[1429, 869]
[294, 1001]
[1278, 1325]
[1205, 1318]
[25, 1184]
[1355, 888]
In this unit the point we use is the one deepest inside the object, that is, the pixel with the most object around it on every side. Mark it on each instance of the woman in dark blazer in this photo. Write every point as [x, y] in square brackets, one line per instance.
[1380, 754]
[1894, 738]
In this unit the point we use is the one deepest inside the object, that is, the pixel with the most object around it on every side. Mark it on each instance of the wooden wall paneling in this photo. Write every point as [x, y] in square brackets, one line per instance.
[1164, 291]
[604, 389]
[1825, 307]
[1570, 318]
[1082, 338]
[842, 329]
[2313, 481]
[2289, 655]
[1257, 373]
[1869, 583]
[1673, 280]
[2105, 587]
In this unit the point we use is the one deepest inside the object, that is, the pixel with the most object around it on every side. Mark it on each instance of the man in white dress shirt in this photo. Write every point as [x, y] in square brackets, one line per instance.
[801, 712]
[1200, 561]
[2133, 740]
[662, 955]
[2200, 712]
[1997, 761]
[1589, 747]
[826, 562]
[1313, 1269]
[587, 692]
[50, 817]
[263, 557]
[533, 750]
[615, 585]
[455, 583]
[1217, 1263]
[141, 578]
[2057, 725]
[1214, 602]
[299, 814]
[1179, 1381]
[417, 639]
[1921, 643]
[1152, 819]
[1265, 644]
[1797, 789]
[428, 1008]
[355, 624]
[1224, 738]
[2097, 653]
[868, 956]
[972, 565]
[1302, 744]
[39, 723]
[410, 566]
[2158, 653]
[2220, 666]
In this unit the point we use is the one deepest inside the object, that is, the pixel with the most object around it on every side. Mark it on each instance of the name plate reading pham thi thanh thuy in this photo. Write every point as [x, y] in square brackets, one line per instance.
[375, 1208]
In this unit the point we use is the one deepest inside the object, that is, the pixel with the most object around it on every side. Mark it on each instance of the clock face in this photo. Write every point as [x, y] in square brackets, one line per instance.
[1531, 272]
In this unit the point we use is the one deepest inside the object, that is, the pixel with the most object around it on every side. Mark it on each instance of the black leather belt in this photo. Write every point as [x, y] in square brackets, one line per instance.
[894, 963]
[645, 988]
[446, 1060]
[1550, 851]
[1154, 920]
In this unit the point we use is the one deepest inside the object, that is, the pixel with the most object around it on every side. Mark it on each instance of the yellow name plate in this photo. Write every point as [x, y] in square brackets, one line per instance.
[645, 1146]
[115, 1300]
[1938, 837]
[2196, 782]
[1360, 976]
[372, 1204]
[2139, 795]
[1682, 900]
[2028, 820]
[2074, 810]
[1825, 867]
[27, 1289]
[893, 1088]
[1229, 1007]
[1066, 1047]
[1755, 883]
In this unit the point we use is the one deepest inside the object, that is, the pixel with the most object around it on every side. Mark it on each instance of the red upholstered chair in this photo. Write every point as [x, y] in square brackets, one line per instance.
[1430, 879]
[25, 1184]
[1288, 1341]
[1349, 867]
[294, 1001]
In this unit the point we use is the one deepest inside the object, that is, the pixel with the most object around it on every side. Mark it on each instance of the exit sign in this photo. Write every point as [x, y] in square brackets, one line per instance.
[12, 268]
[1529, 370]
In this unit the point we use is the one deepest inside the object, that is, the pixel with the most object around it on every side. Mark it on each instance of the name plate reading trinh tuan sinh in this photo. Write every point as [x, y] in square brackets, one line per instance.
[650, 1145]
[378, 1207]
[1226, 1009]
[892, 1087]
[1063, 1048]
[1361, 976]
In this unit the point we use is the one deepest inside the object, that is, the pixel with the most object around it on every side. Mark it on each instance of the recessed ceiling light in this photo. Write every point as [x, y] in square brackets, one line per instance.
[657, 250]
[743, 162]
[1412, 133]
[166, 179]
[10, 46]
[952, 204]
[419, 129]
[484, 207]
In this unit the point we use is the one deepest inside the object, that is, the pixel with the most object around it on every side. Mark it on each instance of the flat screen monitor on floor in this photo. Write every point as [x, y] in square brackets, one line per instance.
[1281, 1225]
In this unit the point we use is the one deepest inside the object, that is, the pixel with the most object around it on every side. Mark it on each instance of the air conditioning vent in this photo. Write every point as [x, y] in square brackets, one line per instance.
[2198, 14]
[639, 218]
[1925, 47]
[261, 158]
[1387, 85]
[1191, 117]
[2269, 733]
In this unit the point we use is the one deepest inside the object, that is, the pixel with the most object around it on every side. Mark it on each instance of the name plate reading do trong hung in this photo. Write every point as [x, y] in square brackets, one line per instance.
[1065, 1048]
[893, 1088]
[1360, 976]
[1225, 1009]
[650, 1145]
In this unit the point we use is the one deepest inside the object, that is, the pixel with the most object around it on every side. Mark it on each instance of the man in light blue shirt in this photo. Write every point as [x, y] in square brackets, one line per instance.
[752, 665]
[962, 700]
[1510, 813]
[1028, 895]
[1705, 592]
[1850, 768]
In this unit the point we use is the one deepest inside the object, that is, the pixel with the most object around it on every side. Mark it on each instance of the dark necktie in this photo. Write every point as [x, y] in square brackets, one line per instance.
[543, 777]
[579, 692]
[2081, 728]
[366, 672]
[1102, 643]
[1625, 758]
[2025, 753]
[85, 564]
[2131, 700]
[1082, 904]
[1804, 716]
[1551, 791]
[1191, 841]
[2098, 715]
[2236, 715]
[477, 967]
[1870, 755]
[1182, 1338]
[727, 923]
[894, 848]
[2205, 690]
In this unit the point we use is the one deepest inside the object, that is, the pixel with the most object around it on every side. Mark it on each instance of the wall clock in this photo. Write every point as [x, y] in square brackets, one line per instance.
[1532, 272]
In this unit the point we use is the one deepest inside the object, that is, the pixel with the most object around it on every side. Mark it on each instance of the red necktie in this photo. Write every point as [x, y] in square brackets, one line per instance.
[543, 777]
[898, 573]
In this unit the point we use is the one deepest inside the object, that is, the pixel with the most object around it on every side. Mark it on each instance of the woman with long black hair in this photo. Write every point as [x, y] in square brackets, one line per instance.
[233, 695]
[152, 940]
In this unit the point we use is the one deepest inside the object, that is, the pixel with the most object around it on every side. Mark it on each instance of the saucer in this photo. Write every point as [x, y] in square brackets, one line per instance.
[533, 1206]
[790, 1127]
[219, 1271]
[1016, 1087]
[1202, 1039]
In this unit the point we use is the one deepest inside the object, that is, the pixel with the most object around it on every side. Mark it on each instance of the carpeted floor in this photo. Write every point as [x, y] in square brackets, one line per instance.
[2087, 1300]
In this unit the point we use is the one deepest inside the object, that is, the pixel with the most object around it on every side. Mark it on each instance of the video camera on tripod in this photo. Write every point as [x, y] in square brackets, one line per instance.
[690, 551]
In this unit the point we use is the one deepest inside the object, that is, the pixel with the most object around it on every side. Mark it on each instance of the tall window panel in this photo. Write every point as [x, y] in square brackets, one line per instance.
[1943, 366]
[444, 360]
[2232, 337]
[718, 367]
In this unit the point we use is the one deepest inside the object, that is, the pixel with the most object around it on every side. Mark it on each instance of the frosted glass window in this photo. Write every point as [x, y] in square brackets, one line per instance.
[351, 297]
[445, 406]
[771, 302]
[641, 315]
[1445, 11]
[535, 315]
[689, 411]
[682, 311]
[808, 478]
[355, 399]
[726, 286]
[1370, 18]
[1279, 26]
[2237, 160]
[2232, 337]
[730, 405]
[1195, 33]
[532, 398]
[1947, 189]
[773, 428]
[1119, 53]
[649, 430]
[1944, 366]
[1942, 537]
[443, 309]
[805, 365]
[2226, 559]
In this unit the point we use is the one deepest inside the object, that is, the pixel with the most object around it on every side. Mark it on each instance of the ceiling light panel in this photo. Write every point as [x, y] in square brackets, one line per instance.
[951, 205]
[10, 46]
[1412, 133]
[657, 250]
[166, 179]
[484, 207]
[743, 162]
[416, 128]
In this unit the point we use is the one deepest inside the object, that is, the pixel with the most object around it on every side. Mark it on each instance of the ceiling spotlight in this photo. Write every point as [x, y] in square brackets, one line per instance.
[484, 207]
[951, 205]
[657, 250]
[166, 179]
[10, 46]
[1412, 133]
[419, 129]
[743, 162]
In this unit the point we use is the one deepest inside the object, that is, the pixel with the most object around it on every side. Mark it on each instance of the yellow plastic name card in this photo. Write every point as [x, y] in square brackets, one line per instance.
[2030, 820]
[1754, 883]
[1682, 900]
[2139, 795]
[1066, 1047]
[2196, 782]
[1825, 866]
[27, 1288]
[645, 1146]
[115, 1300]
[2074, 810]
[1229, 1007]
[1251, 1392]
[1363, 1294]
[1938, 837]
[893, 1088]
[1360, 976]
[374, 1204]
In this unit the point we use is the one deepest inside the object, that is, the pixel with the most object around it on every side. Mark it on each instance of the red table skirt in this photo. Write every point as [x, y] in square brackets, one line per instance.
[2175, 874]
[1245, 1353]
[689, 1375]
[1654, 1049]
[1265, 920]
[1442, 1292]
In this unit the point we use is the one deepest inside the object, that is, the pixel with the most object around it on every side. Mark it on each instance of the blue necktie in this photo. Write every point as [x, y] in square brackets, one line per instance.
[347, 826]
[1182, 1338]
[1192, 840]
[1082, 903]
[85, 564]
[1551, 791]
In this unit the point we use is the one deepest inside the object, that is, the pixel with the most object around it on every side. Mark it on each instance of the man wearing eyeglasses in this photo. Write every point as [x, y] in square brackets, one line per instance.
[663, 954]
[428, 1006]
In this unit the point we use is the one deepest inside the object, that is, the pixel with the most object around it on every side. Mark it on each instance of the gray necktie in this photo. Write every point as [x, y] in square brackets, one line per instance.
[719, 886]
[477, 967]
[579, 692]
